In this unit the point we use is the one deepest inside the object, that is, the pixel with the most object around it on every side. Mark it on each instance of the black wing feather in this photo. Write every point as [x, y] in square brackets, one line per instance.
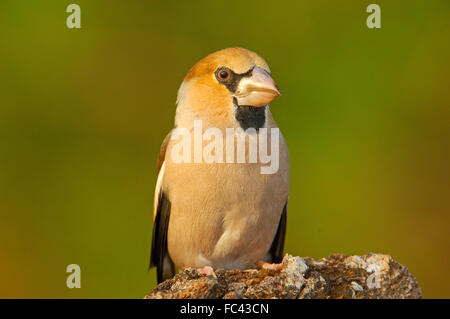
[160, 255]
[276, 250]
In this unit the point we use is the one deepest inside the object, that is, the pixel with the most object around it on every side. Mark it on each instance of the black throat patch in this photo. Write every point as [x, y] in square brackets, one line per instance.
[250, 116]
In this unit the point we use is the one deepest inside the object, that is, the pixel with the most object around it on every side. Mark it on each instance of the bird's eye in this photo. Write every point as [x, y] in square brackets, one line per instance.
[223, 74]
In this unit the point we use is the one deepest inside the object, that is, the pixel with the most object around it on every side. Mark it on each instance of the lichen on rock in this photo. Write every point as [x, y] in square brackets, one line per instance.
[337, 276]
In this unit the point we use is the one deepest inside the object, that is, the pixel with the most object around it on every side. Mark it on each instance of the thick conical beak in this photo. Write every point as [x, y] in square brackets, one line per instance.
[258, 89]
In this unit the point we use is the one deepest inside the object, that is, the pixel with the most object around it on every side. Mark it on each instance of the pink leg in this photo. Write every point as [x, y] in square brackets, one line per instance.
[269, 266]
[206, 271]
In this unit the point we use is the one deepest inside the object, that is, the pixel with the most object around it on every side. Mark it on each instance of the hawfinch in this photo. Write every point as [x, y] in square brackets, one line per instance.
[222, 213]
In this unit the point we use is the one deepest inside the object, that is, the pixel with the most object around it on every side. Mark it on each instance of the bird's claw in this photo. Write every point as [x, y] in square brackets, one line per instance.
[206, 271]
[269, 266]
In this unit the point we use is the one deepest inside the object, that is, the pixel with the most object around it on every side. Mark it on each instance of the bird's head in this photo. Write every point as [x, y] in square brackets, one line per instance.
[224, 81]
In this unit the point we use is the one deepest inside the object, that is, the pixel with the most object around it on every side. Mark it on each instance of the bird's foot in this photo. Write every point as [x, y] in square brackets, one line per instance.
[205, 271]
[269, 266]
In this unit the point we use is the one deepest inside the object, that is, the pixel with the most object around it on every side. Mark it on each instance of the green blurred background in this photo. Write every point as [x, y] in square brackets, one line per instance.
[365, 112]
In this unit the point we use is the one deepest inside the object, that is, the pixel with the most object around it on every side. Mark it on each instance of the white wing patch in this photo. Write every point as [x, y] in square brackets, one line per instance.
[158, 188]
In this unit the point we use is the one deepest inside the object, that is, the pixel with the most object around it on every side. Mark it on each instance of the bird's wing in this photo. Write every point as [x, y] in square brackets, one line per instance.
[276, 249]
[161, 214]
[161, 168]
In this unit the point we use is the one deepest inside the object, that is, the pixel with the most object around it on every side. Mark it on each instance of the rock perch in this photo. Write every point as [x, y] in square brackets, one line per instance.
[337, 276]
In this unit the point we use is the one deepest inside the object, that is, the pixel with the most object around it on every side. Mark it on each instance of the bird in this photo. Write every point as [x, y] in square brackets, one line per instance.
[221, 215]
